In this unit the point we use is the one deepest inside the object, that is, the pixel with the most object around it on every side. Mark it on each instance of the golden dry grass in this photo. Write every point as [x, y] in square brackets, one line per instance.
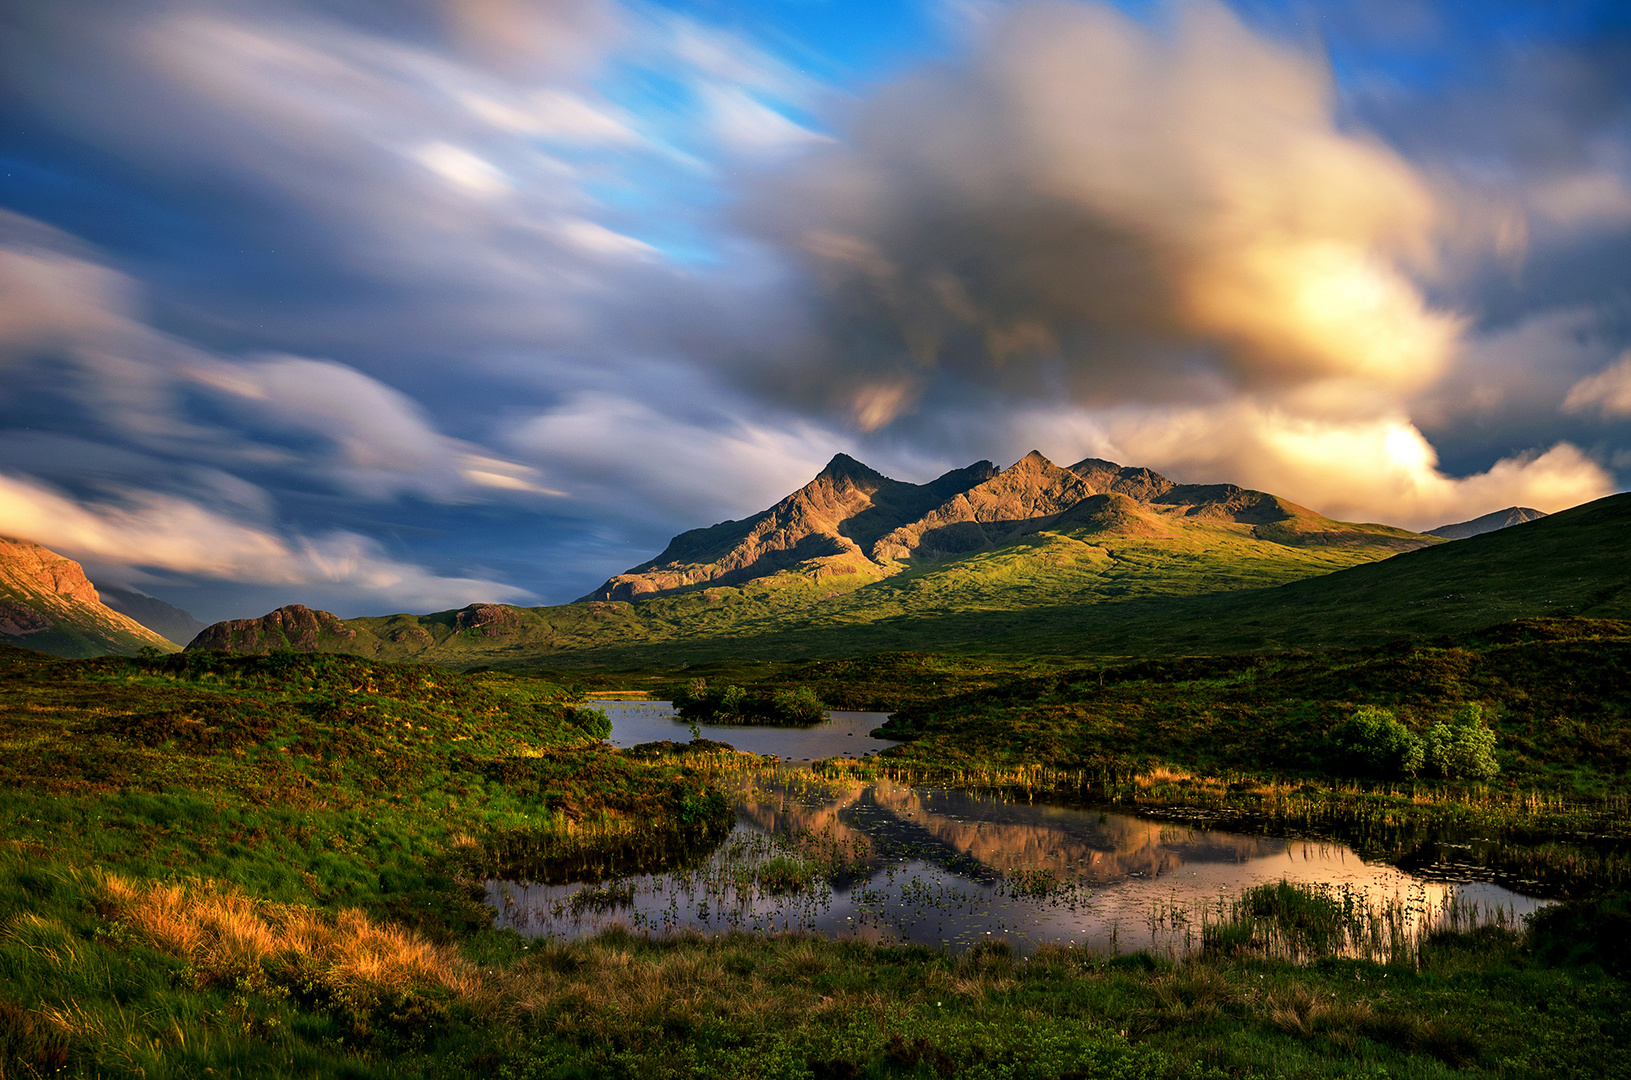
[219, 929]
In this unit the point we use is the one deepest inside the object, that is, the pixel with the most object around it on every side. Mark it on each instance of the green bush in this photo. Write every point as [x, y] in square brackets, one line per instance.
[1463, 749]
[592, 722]
[1373, 742]
[797, 706]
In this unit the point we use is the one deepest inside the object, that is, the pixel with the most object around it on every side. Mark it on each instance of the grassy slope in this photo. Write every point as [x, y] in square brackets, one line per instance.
[1165, 600]
[77, 637]
[350, 777]
[926, 606]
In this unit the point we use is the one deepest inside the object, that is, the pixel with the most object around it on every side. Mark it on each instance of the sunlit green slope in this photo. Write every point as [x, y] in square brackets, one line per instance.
[1075, 569]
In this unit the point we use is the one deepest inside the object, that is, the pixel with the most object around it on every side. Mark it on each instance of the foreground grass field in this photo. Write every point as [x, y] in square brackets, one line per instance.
[268, 867]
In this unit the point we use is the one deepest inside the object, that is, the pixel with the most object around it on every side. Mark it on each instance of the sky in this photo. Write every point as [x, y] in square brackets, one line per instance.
[398, 306]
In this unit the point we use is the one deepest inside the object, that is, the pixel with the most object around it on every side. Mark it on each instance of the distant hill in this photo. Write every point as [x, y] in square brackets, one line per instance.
[853, 553]
[47, 604]
[153, 613]
[1500, 519]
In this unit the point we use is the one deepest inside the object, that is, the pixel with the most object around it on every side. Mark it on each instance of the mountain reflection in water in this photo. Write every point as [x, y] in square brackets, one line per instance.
[887, 862]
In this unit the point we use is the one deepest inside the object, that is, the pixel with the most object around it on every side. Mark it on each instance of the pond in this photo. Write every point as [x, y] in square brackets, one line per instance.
[886, 862]
[845, 734]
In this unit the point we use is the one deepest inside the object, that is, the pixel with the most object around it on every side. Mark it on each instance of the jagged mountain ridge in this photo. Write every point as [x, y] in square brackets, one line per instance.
[852, 520]
[828, 526]
[49, 605]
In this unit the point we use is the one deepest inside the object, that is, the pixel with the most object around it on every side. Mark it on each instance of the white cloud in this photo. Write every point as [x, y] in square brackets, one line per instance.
[463, 170]
[145, 529]
[1608, 392]
[615, 450]
[1091, 206]
[597, 239]
[385, 443]
[747, 125]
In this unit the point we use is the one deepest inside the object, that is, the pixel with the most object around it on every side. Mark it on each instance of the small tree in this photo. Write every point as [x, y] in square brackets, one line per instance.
[1373, 742]
[797, 706]
[1463, 749]
[731, 700]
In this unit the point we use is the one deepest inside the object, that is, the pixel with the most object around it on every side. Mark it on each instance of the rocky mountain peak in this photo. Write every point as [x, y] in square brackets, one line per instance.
[29, 562]
[47, 603]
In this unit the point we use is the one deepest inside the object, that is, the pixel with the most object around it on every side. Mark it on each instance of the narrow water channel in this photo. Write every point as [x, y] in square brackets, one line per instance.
[891, 863]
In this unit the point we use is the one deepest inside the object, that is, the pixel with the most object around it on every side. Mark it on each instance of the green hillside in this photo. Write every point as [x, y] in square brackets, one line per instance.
[940, 604]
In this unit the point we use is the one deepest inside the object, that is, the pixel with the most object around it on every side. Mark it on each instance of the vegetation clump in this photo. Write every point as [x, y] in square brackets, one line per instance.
[796, 706]
[1464, 748]
[1372, 742]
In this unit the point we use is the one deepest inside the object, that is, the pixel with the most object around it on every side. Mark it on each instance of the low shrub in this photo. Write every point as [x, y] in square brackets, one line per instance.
[1372, 742]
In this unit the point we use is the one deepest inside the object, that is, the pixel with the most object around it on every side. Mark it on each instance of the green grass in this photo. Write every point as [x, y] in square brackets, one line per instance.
[1556, 692]
[269, 867]
[795, 615]
[1207, 589]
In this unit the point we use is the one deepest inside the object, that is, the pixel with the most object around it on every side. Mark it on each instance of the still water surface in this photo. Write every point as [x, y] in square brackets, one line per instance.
[886, 862]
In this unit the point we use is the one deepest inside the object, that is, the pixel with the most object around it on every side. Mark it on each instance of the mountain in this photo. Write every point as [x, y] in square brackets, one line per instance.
[1500, 519]
[852, 526]
[47, 604]
[853, 555]
[825, 529]
[153, 613]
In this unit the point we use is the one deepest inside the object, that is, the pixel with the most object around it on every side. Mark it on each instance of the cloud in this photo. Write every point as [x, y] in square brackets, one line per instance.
[68, 320]
[1373, 469]
[1095, 207]
[613, 451]
[1608, 392]
[384, 443]
[150, 530]
[749, 126]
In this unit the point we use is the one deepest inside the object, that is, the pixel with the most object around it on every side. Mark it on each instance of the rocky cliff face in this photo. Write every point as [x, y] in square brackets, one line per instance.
[47, 603]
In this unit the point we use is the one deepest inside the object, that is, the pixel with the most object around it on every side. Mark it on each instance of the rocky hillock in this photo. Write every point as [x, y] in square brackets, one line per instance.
[293, 626]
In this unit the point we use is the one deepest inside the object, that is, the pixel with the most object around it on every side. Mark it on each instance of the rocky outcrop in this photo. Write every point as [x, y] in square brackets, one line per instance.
[47, 603]
[291, 627]
[1021, 499]
[491, 620]
[27, 565]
